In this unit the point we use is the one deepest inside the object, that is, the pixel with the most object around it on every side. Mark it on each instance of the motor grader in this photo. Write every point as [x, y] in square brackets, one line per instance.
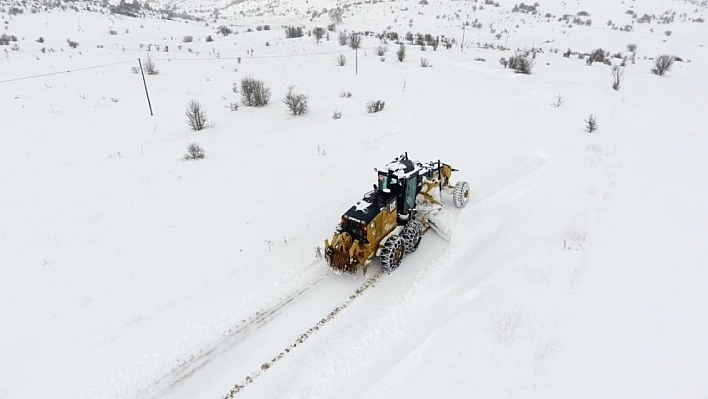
[390, 221]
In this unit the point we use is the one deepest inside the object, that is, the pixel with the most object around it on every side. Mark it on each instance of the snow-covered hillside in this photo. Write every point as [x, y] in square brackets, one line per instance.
[128, 272]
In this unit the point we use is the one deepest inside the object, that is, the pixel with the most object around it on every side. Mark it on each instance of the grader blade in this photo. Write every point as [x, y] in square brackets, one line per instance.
[440, 225]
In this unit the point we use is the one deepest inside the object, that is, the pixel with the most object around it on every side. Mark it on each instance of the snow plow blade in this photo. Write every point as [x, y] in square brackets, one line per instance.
[440, 225]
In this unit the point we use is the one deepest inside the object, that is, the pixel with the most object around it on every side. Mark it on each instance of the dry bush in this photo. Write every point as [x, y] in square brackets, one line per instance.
[341, 60]
[375, 106]
[617, 76]
[196, 116]
[319, 32]
[292, 32]
[355, 40]
[424, 63]
[401, 53]
[149, 65]
[663, 64]
[381, 49]
[591, 124]
[296, 103]
[343, 39]
[521, 63]
[194, 151]
[254, 93]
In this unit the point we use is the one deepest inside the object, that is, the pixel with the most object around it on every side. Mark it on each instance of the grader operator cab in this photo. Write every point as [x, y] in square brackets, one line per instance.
[390, 221]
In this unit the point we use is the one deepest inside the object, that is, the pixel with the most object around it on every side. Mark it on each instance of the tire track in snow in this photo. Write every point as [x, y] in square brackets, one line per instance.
[370, 282]
[233, 336]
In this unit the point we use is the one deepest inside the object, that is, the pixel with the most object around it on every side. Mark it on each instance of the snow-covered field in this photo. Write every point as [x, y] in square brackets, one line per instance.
[577, 270]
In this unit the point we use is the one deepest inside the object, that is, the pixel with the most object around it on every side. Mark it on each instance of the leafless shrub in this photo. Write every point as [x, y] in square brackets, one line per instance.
[345, 94]
[521, 63]
[337, 114]
[319, 32]
[296, 103]
[196, 116]
[292, 32]
[401, 53]
[341, 60]
[375, 106]
[335, 15]
[424, 62]
[224, 30]
[591, 124]
[194, 151]
[597, 55]
[188, 39]
[663, 64]
[233, 107]
[381, 49]
[558, 101]
[355, 40]
[343, 39]
[617, 76]
[254, 93]
[149, 65]
[504, 62]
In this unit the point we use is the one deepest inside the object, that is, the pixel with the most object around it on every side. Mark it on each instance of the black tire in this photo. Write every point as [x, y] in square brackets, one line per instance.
[461, 194]
[392, 253]
[412, 234]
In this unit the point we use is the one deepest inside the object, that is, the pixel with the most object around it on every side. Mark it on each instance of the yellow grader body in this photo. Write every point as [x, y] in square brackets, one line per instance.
[389, 221]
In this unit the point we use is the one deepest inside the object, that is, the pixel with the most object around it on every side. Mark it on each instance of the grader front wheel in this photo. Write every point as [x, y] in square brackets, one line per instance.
[461, 194]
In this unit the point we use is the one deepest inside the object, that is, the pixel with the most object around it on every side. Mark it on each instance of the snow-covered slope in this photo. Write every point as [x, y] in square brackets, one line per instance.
[128, 272]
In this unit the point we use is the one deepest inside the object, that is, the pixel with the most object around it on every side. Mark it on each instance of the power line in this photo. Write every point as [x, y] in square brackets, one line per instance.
[67, 71]
[243, 58]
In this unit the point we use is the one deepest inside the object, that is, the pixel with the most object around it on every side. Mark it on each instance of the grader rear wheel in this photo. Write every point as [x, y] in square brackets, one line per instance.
[412, 235]
[392, 253]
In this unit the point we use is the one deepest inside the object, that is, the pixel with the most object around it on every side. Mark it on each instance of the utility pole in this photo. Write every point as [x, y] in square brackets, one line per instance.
[145, 84]
[356, 60]
[462, 45]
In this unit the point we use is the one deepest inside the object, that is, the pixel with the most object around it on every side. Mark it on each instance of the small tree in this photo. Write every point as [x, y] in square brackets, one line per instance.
[597, 55]
[254, 93]
[521, 63]
[617, 76]
[632, 48]
[663, 64]
[196, 116]
[224, 30]
[381, 49]
[292, 32]
[591, 124]
[341, 60]
[343, 39]
[296, 103]
[319, 32]
[335, 15]
[150, 67]
[401, 53]
[194, 151]
[355, 40]
[375, 106]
